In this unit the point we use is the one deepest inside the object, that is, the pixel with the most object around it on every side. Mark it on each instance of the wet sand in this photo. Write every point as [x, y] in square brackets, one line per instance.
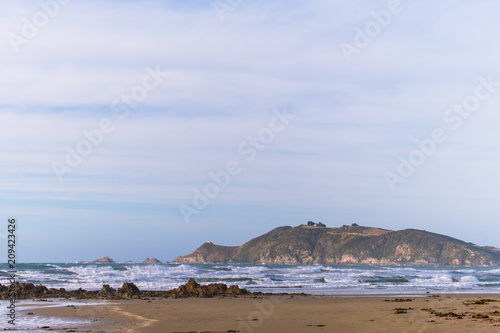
[284, 314]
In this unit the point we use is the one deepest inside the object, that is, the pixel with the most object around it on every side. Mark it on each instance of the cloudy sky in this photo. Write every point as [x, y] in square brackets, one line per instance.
[138, 129]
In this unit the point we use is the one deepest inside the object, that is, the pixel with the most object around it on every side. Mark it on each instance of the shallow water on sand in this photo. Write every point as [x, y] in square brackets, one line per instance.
[34, 323]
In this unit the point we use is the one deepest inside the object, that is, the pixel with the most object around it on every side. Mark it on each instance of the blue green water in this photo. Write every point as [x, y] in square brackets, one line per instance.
[315, 279]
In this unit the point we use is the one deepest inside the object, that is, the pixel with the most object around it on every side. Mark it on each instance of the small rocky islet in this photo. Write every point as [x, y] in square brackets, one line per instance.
[108, 260]
[153, 260]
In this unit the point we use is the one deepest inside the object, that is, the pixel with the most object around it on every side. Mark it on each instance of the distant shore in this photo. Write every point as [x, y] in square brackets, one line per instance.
[285, 313]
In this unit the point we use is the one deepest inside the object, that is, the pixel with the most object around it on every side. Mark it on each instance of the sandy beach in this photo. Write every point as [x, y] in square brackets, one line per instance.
[432, 313]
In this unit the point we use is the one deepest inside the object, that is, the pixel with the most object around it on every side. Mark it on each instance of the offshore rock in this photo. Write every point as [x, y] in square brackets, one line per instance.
[103, 260]
[153, 260]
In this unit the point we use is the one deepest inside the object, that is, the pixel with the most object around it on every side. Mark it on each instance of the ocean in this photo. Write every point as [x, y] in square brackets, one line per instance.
[310, 279]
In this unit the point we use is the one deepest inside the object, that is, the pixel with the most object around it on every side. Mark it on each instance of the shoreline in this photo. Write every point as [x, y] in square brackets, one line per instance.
[129, 290]
[281, 313]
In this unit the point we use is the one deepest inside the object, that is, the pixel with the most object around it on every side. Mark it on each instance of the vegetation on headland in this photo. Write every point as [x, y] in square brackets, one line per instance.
[317, 244]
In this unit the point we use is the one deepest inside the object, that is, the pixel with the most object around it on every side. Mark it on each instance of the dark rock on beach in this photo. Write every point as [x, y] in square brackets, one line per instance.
[194, 289]
[107, 291]
[127, 291]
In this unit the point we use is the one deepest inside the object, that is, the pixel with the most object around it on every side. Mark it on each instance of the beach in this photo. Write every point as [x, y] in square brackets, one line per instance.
[319, 298]
[282, 313]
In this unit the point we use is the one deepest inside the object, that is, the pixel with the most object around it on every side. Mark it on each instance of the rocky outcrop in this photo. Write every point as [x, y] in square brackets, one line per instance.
[29, 290]
[103, 260]
[106, 291]
[153, 260]
[347, 245]
[127, 291]
[193, 289]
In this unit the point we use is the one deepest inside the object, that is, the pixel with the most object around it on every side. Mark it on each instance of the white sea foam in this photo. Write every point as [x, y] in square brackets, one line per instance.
[326, 279]
[33, 322]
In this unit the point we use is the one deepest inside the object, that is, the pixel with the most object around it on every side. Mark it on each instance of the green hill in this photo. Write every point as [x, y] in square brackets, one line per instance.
[347, 245]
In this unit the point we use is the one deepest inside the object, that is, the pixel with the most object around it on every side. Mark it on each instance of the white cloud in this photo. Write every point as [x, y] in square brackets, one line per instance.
[353, 119]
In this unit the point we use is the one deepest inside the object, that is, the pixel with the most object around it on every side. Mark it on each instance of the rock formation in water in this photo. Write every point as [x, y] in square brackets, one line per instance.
[103, 260]
[153, 260]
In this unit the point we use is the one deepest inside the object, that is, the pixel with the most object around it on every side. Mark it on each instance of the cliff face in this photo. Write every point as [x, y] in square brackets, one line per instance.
[347, 245]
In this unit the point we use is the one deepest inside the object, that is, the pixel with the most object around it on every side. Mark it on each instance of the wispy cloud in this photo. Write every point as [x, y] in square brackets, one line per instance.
[224, 79]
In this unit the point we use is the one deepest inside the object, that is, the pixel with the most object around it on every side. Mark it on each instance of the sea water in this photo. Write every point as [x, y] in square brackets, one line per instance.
[27, 319]
[310, 279]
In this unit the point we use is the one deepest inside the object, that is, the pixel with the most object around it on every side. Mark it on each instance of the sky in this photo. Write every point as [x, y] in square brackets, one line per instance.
[138, 129]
